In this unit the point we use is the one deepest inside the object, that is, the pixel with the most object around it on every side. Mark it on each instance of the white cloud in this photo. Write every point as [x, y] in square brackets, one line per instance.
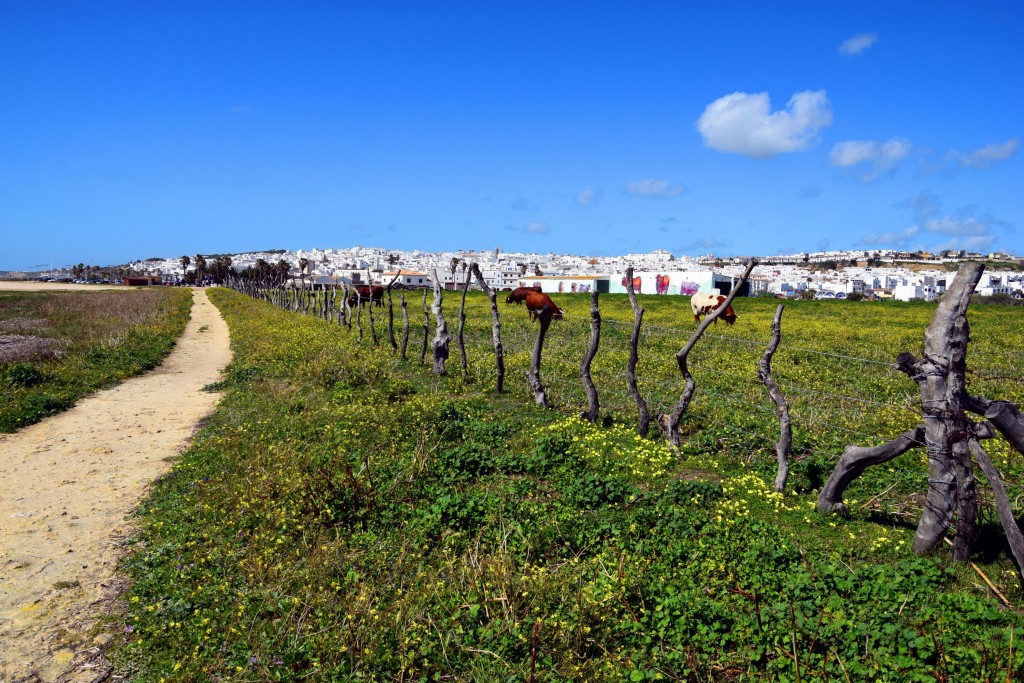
[851, 153]
[650, 187]
[537, 228]
[984, 157]
[588, 196]
[743, 123]
[858, 43]
[882, 158]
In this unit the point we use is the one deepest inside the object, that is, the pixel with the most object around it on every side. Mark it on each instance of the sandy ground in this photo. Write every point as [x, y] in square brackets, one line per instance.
[67, 485]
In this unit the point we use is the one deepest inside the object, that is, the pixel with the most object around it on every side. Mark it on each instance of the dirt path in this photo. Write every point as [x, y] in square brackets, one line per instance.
[67, 484]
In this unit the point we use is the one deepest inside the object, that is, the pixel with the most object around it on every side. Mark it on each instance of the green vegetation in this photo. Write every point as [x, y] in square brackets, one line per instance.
[345, 515]
[58, 346]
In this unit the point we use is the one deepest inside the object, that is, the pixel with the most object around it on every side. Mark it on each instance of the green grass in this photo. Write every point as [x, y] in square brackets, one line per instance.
[73, 343]
[345, 515]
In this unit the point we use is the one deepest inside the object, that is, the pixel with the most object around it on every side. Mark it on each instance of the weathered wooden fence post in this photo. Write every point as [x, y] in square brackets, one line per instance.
[779, 399]
[405, 324]
[941, 377]
[346, 309]
[499, 354]
[359, 315]
[593, 410]
[533, 376]
[462, 317]
[441, 336]
[391, 313]
[426, 326]
[644, 419]
[949, 437]
[369, 311]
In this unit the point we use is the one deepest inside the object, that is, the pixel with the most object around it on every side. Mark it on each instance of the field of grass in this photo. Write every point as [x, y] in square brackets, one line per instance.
[58, 346]
[346, 515]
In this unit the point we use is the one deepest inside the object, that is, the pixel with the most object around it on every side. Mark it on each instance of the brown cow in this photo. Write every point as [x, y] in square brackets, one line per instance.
[518, 295]
[374, 294]
[703, 304]
[539, 305]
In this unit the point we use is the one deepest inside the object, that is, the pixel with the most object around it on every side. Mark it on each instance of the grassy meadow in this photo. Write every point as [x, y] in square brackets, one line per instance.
[348, 515]
[58, 346]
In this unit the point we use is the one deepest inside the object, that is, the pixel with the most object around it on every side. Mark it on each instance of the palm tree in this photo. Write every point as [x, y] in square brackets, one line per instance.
[200, 269]
[303, 266]
[454, 266]
[185, 261]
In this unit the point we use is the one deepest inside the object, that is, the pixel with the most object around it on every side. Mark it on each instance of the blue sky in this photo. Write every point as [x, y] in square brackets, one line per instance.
[151, 128]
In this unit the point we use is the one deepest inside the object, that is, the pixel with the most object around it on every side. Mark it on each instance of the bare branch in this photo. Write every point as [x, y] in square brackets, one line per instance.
[1003, 506]
[684, 402]
[855, 460]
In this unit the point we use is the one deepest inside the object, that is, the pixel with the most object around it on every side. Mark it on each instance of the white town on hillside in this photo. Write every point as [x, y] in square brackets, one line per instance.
[831, 274]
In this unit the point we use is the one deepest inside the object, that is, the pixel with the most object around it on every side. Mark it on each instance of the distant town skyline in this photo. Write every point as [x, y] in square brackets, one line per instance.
[130, 131]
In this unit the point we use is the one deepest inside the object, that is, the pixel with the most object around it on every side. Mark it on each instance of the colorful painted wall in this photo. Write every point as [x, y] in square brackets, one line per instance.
[665, 282]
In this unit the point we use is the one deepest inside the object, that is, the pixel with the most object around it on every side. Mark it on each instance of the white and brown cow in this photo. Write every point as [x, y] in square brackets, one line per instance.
[703, 304]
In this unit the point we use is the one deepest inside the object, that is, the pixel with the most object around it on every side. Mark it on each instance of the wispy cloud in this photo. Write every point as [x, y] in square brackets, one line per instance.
[649, 187]
[702, 245]
[588, 196]
[858, 43]
[879, 158]
[523, 204]
[531, 228]
[966, 228]
[812, 191]
[896, 238]
[743, 123]
[984, 157]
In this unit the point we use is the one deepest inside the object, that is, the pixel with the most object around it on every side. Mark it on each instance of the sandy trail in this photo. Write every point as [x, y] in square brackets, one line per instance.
[67, 484]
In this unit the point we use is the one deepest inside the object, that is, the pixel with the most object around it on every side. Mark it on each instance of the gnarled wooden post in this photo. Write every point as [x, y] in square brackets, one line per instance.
[441, 336]
[405, 324]
[391, 313]
[359, 315]
[369, 310]
[672, 421]
[499, 354]
[426, 326]
[533, 376]
[946, 432]
[462, 317]
[644, 419]
[941, 378]
[592, 412]
[346, 309]
[779, 399]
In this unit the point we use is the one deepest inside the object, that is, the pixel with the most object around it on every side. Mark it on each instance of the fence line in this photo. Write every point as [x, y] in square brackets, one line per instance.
[567, 336]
